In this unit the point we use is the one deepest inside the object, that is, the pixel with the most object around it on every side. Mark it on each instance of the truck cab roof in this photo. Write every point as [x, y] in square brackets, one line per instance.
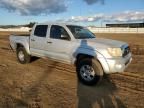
[56, 23]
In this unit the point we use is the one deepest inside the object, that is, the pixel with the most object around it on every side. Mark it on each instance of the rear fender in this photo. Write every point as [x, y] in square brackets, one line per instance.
[23, 43]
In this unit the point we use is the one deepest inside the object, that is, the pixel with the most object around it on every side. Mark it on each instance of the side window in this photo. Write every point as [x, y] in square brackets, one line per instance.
[41, 30]
[58, 32]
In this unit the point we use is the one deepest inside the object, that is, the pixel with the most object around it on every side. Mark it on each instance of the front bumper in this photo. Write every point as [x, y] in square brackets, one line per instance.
[113, 65]
[118, 64]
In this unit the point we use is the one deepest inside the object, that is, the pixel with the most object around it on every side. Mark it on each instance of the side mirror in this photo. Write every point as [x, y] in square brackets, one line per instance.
[65, 37]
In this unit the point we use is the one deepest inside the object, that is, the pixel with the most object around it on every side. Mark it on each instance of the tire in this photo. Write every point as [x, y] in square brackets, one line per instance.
[22, 56]
[89, 71]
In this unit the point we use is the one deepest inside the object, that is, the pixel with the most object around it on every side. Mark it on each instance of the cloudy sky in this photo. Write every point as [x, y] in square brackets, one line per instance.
[86, 12]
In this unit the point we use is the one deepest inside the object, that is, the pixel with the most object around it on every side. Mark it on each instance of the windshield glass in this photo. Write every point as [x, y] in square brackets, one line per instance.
[80, 32]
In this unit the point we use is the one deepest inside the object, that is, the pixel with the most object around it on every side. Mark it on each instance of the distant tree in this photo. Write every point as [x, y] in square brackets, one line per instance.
[30, 25]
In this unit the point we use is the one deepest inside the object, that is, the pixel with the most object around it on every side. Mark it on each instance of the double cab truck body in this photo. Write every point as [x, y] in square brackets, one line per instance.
[76, 45]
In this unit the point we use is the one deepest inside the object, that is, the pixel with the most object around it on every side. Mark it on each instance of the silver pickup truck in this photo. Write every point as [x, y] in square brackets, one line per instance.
[76, 45]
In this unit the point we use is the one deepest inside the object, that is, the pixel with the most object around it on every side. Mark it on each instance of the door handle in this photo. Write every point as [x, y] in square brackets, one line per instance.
[32, 40]
[49, 42]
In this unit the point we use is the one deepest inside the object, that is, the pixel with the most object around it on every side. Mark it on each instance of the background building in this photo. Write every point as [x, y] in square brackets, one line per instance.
[130, 25]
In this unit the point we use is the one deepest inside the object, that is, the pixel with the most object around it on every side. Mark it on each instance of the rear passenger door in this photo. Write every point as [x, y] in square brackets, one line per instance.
[38, 40]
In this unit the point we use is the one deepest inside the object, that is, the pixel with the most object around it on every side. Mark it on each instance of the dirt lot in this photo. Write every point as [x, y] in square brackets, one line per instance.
[47, 84]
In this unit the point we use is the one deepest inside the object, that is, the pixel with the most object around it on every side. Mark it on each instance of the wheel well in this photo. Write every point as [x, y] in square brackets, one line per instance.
[18, 45]
[82, 56]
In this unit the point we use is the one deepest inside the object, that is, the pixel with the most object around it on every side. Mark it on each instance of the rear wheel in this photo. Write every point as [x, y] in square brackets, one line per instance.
[89, 71]
[22, 56]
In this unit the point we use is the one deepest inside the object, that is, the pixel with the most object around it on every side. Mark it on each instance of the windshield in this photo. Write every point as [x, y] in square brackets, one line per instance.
[80, 32]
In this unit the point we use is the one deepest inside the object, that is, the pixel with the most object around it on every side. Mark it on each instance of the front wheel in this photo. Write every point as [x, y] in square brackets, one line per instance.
[22, 56]
[89, 71]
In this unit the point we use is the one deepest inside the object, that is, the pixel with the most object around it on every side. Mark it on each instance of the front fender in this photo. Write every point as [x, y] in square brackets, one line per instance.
[94, 53]
[82, 51]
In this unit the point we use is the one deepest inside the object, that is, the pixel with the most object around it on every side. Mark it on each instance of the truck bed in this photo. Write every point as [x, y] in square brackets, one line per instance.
[26, 34]
[18, 39]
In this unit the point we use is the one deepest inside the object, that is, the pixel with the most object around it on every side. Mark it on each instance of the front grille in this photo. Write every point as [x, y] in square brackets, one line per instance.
[126, 51]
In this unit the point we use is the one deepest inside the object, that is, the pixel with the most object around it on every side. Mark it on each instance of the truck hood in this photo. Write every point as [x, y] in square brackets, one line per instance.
[102, 43]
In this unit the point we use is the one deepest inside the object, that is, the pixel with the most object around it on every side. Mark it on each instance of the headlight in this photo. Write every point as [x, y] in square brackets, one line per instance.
[116, 52]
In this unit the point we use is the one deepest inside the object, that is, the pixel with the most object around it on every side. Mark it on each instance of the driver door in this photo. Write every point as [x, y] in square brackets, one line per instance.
[59, 44]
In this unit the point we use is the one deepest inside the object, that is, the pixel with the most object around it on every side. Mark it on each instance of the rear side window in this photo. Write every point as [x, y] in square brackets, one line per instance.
[41, 30]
